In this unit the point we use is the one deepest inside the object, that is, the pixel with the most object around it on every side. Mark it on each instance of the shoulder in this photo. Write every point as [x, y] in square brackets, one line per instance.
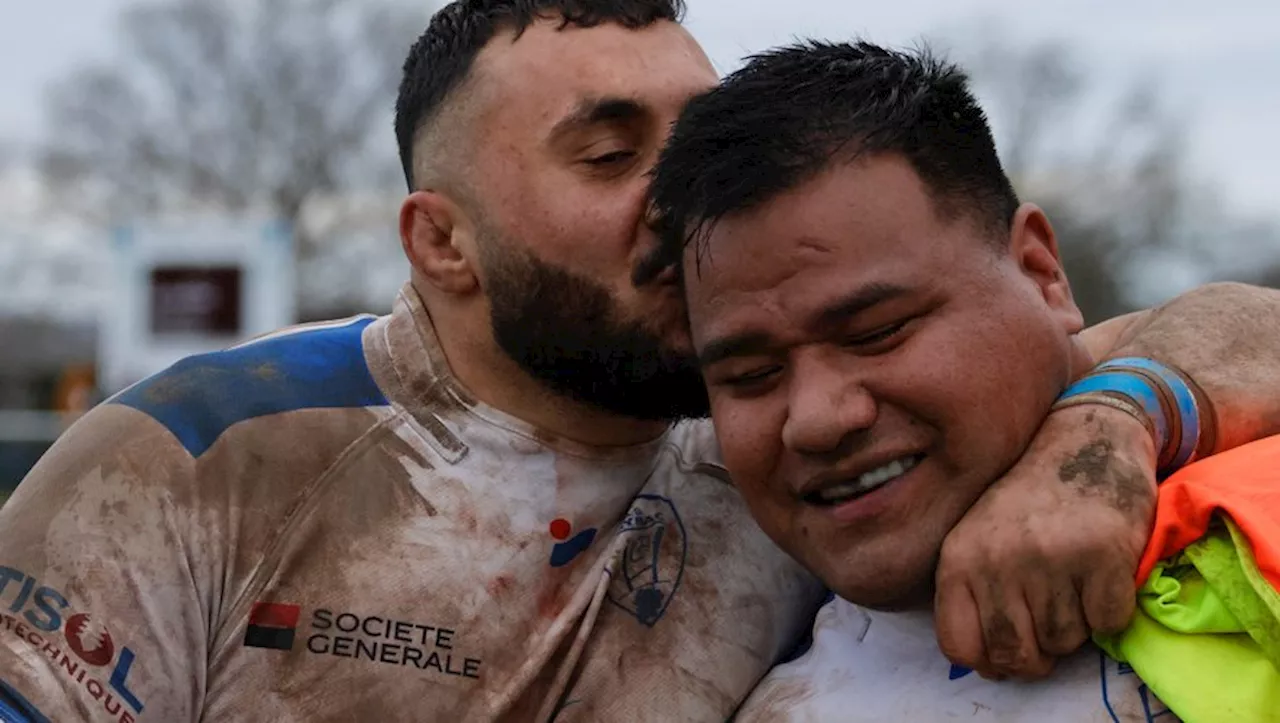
[693, 443]
[221, 446]
[200, 398]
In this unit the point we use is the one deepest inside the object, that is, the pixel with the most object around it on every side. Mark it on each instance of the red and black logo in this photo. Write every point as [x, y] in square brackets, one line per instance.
[373, 638]
[272, 625]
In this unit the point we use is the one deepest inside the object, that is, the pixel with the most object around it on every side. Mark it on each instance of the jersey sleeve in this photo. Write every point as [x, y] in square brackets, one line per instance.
[101, 562]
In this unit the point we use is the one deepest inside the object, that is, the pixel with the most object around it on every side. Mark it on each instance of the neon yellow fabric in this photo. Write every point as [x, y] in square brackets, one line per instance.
[1206, 635]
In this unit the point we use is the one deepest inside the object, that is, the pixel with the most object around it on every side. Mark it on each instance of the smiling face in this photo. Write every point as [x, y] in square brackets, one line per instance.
[874, 365]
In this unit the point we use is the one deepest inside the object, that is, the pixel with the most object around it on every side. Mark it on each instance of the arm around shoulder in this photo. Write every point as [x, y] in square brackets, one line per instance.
[1224, 336]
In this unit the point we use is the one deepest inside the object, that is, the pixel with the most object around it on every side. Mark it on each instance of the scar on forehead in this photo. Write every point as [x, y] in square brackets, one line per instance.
[814, 245]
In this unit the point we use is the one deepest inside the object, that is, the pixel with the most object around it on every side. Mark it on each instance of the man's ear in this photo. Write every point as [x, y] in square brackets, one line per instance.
[1034, 247]
[437, 240]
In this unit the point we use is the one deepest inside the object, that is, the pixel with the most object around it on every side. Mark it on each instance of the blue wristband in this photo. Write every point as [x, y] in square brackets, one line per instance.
[1130, 385]
[1184, 399]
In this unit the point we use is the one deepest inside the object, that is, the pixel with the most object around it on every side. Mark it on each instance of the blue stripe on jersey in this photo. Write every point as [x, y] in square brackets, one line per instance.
[203, 396]
[16, 709]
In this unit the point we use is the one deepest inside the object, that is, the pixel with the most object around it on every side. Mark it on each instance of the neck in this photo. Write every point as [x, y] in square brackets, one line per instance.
[918, 598]
[1082, 359]
[492, 377]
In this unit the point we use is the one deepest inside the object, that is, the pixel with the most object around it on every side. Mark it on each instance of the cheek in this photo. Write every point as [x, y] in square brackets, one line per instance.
[588, 225]
[991, 395]
[555, 217]
[750, 440]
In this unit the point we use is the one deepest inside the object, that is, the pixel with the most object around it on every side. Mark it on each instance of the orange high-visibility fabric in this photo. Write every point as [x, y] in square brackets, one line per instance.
[1243, 483]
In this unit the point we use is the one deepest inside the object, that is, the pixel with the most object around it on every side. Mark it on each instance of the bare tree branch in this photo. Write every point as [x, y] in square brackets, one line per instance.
[234, 104]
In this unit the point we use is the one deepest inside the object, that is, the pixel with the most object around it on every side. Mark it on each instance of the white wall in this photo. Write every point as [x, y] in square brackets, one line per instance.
[128, 350]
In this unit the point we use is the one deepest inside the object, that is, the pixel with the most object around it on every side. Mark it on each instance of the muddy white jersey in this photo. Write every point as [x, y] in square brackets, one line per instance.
[867, 666]
[323, 525]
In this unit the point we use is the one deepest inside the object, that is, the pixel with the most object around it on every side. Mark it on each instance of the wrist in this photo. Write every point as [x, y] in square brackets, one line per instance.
[1122, 434]
[1159, 397]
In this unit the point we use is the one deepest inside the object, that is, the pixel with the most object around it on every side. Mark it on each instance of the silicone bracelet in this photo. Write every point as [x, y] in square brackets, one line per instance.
[1134, 387]
[1184, 399]
[1108, 399]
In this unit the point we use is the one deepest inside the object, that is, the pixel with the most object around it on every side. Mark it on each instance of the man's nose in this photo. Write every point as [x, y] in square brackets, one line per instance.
[658, 258]
[827, 404]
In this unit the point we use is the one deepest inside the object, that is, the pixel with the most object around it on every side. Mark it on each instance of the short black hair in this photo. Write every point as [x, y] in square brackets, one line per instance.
[442, 56]
[792, 112]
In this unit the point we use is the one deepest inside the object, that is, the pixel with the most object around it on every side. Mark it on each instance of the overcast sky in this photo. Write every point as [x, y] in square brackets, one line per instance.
[1219, 62]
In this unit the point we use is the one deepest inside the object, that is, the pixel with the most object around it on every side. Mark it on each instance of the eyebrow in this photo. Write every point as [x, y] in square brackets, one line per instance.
[744, 344]
[860, 300]
[593, 111]
[756, 342]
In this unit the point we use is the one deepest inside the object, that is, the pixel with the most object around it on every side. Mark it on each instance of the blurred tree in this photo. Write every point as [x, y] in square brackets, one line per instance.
[1251, 253]
[1111, 179]
[234, 106]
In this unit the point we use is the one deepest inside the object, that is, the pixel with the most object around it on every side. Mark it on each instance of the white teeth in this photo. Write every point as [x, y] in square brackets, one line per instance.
[868, 481]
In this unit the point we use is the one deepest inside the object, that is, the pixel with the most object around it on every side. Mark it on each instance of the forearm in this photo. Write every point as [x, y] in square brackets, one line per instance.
[1224, 336]
[1081, 501]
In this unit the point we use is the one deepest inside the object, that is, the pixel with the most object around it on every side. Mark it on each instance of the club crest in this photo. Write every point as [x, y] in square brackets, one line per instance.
[647, 569]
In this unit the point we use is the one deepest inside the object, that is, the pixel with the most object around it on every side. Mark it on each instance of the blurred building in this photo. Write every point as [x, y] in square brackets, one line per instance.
[86, 310]
[51, 289]
[179, 288]
[84, 313]
[46, 380]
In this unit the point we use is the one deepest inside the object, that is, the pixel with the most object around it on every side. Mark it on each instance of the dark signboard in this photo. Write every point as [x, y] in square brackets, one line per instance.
[190, 300]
